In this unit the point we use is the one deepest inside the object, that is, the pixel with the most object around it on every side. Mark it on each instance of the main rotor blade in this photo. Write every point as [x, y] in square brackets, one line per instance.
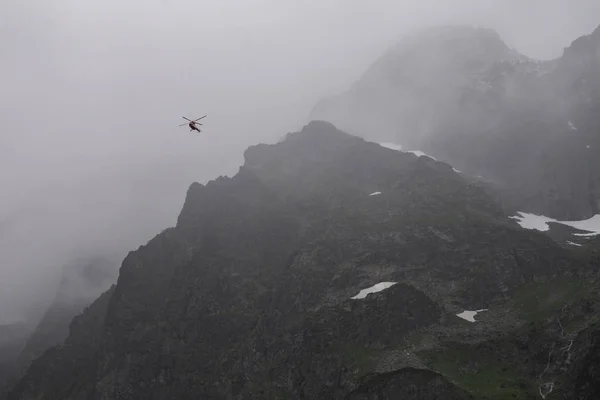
[199, 118]
[187, 119]
[182, 124]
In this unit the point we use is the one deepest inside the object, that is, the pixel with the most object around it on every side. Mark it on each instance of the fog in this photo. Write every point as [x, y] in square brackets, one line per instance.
[92, 161]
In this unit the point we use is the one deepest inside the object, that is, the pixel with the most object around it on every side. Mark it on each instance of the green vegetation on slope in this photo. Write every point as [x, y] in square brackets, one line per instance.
[485, 377]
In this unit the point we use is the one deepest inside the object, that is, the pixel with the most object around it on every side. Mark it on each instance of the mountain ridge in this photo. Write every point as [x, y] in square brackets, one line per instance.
[250, 294]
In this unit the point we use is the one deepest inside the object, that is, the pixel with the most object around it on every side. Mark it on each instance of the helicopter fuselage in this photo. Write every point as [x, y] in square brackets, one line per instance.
[193, 125]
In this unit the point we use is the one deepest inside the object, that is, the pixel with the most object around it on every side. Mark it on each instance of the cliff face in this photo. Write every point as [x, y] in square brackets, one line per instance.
[256, 292]
[461, 95]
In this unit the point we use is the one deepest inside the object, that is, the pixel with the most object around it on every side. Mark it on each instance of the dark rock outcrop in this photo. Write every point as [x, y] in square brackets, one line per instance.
[586, 384]
[460, 94]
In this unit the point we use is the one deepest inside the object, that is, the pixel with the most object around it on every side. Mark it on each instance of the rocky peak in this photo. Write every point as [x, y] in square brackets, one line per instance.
[312, 144]
[407, 94]
[320, 160]
[578, 73]
[453, 49]
[458, 40]
[584, 46]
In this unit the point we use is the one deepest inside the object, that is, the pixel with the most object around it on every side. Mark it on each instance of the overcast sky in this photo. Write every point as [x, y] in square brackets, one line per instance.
[91, 157]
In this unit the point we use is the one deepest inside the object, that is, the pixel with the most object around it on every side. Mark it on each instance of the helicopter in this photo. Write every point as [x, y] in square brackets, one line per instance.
[192, 124]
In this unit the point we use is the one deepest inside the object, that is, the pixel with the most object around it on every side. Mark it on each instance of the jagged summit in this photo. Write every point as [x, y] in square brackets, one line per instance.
[308, 164]
[456, 39]
[406, 93]
[437, 56]
[584, 44]
[315, 138]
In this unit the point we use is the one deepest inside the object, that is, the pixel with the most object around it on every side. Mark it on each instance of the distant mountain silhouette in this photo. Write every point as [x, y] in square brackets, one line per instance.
[462, 95]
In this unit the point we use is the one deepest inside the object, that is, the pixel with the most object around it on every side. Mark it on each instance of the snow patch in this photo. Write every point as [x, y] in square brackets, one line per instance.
[374, 289]
[540, 222]
[398, 147]
[392, 146]
[470, 315]
[418, 153]
[573, 243]
[375, 193]
[532, 221]
[573, 128]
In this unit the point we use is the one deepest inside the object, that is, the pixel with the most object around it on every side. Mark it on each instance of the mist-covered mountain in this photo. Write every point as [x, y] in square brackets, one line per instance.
[83, 280]
[12, 339]
[330, 267]
[462, 95]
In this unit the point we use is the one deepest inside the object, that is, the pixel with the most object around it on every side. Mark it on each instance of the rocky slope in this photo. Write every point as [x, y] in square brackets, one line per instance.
[255, 292]
[463, 96]
[12, 339]
[82, 282]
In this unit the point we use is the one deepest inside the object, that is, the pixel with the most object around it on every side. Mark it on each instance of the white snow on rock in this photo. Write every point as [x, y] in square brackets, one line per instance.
[586, 234]
[374, 289]
[572, 126]
[418, 153]
[375, 193]
[532, 221]
[470, 315]
[540, 222]
[391, 146]
[573, 243]
[397, 147]
[592, 225]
